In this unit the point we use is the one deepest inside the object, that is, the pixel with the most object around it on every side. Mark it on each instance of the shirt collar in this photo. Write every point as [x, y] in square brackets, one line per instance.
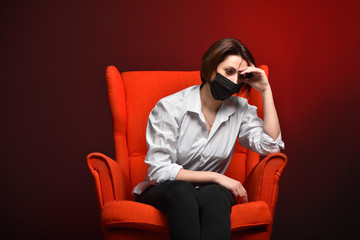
[227, 109]
[193, 104]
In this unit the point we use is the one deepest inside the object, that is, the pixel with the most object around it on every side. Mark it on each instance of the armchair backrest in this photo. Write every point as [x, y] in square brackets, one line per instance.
[133, 95]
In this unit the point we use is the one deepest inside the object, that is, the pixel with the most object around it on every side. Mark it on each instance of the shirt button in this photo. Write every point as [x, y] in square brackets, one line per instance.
[202, 159]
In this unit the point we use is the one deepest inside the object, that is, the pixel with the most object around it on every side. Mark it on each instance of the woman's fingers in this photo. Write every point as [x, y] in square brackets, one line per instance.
[244, 194]
[258, 79]
[235, 187]
[236, 196]
[240, 193]
[245, 197]
[251, 70]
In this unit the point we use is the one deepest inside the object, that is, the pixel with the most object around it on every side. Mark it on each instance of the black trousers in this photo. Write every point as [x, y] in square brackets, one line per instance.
[194, 213]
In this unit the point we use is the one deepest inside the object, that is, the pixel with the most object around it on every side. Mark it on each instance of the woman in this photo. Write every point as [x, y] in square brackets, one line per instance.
[191, 137]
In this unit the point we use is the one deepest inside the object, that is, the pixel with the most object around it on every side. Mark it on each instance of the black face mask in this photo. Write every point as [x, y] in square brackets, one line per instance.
[222, 88]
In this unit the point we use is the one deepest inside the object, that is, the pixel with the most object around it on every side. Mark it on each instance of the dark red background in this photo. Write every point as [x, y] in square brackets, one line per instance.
[54, 107]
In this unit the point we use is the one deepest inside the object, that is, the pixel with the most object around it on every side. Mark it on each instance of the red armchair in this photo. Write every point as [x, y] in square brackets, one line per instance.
[132, 95]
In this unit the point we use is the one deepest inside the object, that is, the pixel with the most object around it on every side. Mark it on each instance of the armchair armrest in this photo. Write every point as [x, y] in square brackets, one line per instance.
[262, 183]
[110, 180]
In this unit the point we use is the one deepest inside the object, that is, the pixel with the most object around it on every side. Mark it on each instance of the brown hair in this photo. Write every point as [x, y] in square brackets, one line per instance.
[218, 53]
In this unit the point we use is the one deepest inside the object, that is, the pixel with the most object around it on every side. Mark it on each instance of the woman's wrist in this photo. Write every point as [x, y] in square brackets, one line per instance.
[266, 91]
[216, 177]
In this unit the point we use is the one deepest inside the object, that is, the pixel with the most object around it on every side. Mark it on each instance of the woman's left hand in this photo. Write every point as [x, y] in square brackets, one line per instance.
[259, 80]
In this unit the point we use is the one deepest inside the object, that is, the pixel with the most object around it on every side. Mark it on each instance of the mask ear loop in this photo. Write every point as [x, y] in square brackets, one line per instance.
[202, 83]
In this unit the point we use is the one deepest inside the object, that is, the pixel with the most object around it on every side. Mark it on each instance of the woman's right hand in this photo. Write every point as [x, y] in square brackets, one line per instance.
[234, 186]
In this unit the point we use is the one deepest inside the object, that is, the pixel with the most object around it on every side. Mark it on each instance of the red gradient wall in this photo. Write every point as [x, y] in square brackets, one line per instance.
[54, 107]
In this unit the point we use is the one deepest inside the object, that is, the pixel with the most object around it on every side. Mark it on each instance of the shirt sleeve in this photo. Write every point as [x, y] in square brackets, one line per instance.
[252, 135]
[161, 138]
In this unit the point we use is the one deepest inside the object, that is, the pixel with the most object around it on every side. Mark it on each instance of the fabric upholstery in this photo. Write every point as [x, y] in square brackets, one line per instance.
[132, 95]
[130, 214]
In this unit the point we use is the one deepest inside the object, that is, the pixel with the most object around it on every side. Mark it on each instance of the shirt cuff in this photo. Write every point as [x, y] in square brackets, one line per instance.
[271, 146]
[174, 171]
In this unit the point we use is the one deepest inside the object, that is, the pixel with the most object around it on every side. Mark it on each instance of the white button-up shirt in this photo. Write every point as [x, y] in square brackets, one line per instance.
[177, 136]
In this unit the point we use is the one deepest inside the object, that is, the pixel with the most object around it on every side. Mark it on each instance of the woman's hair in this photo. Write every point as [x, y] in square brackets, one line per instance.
[218, 53]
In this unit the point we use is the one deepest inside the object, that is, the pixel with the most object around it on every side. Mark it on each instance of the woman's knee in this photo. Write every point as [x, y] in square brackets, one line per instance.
[183, 198]
[215, 193]
[182, 189]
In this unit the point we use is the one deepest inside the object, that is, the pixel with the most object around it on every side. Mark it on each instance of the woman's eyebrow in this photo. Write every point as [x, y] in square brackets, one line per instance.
[231, 67]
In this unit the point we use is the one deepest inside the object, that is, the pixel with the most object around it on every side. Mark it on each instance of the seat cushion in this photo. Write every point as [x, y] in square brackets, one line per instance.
[251, 214]
[134, 215]
[131, 214]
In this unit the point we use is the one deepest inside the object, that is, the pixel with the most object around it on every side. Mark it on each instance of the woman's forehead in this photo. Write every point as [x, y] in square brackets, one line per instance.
[234, 61]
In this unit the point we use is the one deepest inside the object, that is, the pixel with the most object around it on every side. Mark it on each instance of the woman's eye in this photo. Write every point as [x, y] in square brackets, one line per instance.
[228, 71]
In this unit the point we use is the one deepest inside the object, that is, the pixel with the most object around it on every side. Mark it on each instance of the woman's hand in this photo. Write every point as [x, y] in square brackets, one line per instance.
[259, 80]
[234, 186]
